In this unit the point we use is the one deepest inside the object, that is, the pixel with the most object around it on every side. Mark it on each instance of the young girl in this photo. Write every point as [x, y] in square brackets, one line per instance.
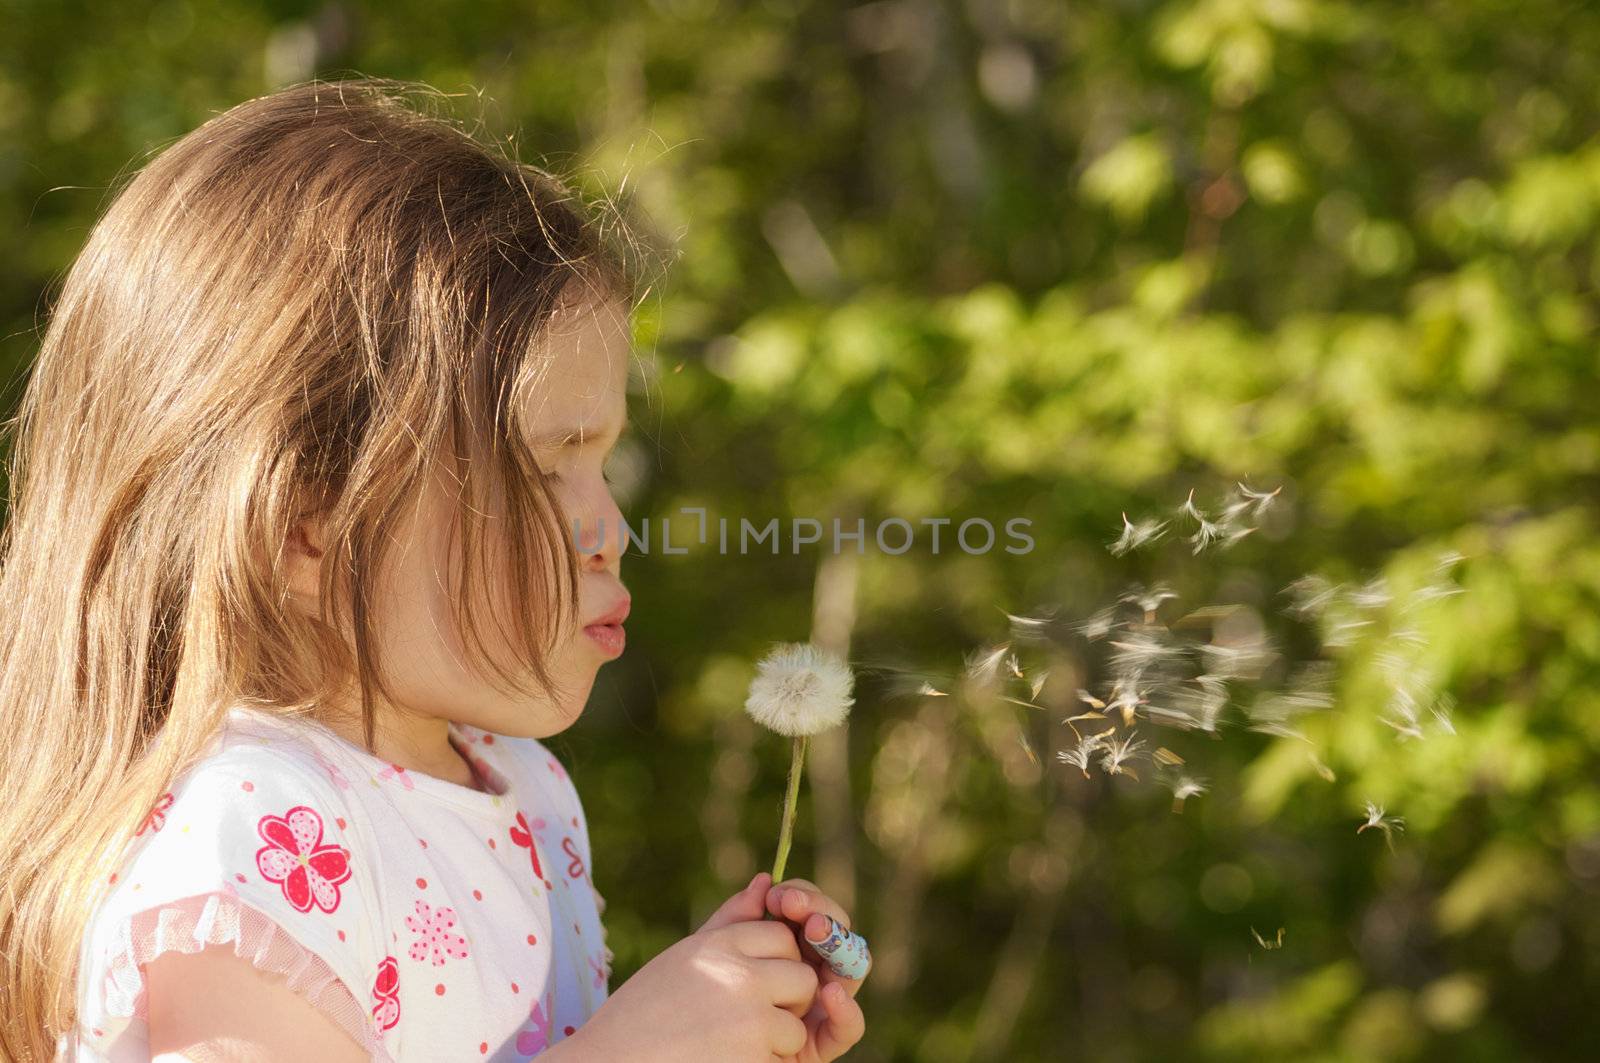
[289, 606]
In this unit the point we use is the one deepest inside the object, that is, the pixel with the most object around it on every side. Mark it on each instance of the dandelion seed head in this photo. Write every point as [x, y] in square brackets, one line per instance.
[800, 689]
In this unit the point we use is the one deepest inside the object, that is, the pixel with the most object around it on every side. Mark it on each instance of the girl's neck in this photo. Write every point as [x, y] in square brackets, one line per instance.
[409, 740]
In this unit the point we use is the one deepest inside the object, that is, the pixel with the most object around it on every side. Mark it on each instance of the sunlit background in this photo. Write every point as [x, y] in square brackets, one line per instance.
[927, 259]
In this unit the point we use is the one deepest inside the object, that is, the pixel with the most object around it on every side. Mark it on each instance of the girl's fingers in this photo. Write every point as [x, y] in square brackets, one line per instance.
[789, 985]
[794, 899]
[843, 1025]
[742, 906]
[841, 956]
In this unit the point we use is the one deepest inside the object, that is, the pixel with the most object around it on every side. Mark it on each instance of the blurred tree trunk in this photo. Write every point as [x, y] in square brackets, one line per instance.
[833, 617]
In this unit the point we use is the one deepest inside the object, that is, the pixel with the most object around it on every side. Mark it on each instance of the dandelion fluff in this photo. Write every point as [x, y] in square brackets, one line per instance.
[800, 689]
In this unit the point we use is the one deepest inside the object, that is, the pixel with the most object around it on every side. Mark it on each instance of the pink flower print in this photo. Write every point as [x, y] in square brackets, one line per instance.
[434, 941]
[533, 1041]
[334, 774]
[386, 995]
[555, 766]
[522, 836]
[601, 972]
[294, 857]
[157, 817]
[395, 771]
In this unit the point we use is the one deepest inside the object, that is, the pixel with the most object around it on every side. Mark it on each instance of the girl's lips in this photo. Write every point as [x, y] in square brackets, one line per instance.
[606, 630]
[611, 638]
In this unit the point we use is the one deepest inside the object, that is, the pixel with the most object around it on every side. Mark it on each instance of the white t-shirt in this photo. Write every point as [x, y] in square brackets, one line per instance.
[429, 920]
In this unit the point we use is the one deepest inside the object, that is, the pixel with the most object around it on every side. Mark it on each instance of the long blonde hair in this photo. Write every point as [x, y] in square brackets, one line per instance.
[292, 310]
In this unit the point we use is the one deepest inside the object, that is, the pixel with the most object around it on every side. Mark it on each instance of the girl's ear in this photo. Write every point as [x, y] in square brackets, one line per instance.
[303, 560]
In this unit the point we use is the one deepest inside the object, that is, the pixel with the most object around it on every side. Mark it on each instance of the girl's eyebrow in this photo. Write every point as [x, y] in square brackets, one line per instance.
[556, 438]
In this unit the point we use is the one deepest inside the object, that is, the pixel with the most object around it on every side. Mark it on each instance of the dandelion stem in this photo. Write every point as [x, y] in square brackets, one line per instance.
[786, 832]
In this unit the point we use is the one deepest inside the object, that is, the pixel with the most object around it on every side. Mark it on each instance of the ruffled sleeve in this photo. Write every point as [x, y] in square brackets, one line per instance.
[250, 849]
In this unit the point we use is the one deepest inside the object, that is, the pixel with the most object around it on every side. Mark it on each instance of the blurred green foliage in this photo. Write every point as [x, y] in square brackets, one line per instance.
[1023, 258]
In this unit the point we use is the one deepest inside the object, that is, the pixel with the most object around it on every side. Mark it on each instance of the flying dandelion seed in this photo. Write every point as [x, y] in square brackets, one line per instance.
[1310, 596]
[1246, 659]
[1116, 754]
[1260, 500]
[1028, 748]
[1125, 699]
[1136, 535]
[984, 668]
[1386, 823]
[930, 691]
[1430, 592]
[1442, 711]
[1014, 666]
[1099, 625]
[1029, 627]
[1185, 787]
[1080, 755]
[1207, 531]
[1166, 757]
[1410, 636]
[1320, 768]
[1264, 943]
[1148, 601]
[1037, 684]
[1372, 595]
[1344, 633]
[1206, 534]
[1096, 711]
[1403, 714]
[1141, 651]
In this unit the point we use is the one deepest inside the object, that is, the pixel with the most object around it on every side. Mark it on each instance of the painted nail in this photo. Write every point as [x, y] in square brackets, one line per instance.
[845, 951]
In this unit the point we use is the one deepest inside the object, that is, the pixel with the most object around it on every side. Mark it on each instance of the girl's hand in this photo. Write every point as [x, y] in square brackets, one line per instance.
[835, 1022]
[733, 991]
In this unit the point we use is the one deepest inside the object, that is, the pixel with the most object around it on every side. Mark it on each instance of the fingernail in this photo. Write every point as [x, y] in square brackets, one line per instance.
[844, 951]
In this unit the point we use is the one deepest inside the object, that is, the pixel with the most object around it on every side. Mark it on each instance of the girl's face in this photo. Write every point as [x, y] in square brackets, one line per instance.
[571, 422]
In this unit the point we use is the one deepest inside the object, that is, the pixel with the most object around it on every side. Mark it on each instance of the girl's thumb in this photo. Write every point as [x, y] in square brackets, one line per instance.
[746, 905]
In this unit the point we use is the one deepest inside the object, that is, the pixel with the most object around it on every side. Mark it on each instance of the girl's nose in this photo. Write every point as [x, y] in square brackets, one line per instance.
[601, 538]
